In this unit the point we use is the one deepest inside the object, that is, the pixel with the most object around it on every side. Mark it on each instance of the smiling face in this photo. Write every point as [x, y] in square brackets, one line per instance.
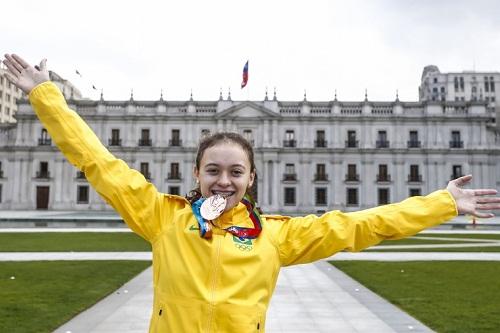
[225, 169]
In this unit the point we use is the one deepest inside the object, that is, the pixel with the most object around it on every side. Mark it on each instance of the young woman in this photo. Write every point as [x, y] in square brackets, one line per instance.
[215, 259]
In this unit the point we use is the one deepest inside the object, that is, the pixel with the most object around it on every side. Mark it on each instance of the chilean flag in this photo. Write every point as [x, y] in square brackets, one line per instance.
[245, 76]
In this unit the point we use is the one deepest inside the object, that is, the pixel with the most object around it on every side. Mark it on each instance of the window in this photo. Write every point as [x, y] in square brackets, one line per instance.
[456, 171]
[461, 83]
[486, 85]
[115, 138]
[321, 172]
[43, 171]
[174, 171]
[145, 170]
[0, 193]
[145, 139]
[176, 138]
[382, 141]
[175, 190]
[351, 139]
[383, 196]
[82, 194]
[289, 139]
[321, 196]
[415, 192]
[383, 175]
[290, 196]
[414, 175]
[290, 172]
[1, 171]
[413, 142]
[352, 196]
[320, 139]
[456, 84]
[248, 135]
[351, 173]
[44, 139]
[456, 141]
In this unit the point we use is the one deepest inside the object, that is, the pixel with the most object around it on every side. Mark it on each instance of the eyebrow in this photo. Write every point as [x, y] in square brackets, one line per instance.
[217, 165]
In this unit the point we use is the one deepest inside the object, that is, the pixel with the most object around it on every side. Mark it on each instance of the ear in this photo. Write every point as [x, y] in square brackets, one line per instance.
[252, 178]
[196, 174]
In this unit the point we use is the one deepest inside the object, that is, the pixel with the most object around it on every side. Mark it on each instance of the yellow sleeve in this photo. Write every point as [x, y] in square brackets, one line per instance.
[306, 239]
[126, 190]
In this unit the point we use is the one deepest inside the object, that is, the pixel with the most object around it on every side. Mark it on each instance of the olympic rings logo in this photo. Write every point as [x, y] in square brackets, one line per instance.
[243, 247]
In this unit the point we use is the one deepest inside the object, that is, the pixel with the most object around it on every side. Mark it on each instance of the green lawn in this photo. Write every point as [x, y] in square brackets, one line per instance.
[440, 249]
[72, 241]
[447, 296]
[481, 236]
[46, 294]
[413, 241]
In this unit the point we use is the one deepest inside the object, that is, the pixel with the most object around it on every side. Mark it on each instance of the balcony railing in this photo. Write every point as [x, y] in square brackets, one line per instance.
[382, 144]
[415, 178]
[44, 142]
[414, 144]
[351, 143]
[456, 144]
[115, 142]
[352, 177]
[289, 143]
[320, 177]
[80, 175]
[174, 175]
[175, 143]
[320, 143]
[43, 174]
[383, 178]
[290, 176]
[144, 142]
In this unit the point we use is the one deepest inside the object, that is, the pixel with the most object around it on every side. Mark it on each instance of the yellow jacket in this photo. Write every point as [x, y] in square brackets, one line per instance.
[223, 284]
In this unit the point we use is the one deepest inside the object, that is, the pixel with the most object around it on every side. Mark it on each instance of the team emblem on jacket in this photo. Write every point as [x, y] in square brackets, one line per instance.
[243, 244]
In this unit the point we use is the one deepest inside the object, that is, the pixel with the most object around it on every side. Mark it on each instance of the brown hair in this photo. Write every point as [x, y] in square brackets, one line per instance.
[212, 140]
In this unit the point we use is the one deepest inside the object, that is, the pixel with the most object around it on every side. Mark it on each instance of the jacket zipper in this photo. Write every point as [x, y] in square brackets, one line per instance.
[214, 280]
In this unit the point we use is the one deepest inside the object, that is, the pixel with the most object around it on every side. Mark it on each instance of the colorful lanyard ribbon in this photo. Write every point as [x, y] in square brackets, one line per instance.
[240, 232]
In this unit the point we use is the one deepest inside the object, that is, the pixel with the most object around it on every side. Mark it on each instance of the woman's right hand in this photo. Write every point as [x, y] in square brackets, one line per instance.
[23, 75]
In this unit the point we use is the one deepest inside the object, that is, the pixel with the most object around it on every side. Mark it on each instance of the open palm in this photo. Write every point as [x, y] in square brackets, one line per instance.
[23, 75]
[472, 201]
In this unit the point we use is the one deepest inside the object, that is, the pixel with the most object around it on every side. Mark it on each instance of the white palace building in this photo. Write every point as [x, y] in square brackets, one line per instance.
[310, 156]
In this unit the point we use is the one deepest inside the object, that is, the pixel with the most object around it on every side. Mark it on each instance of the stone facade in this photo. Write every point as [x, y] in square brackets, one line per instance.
[311, 157]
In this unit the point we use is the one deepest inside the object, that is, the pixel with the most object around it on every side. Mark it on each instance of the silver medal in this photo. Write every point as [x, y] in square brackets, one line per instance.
[212, 207]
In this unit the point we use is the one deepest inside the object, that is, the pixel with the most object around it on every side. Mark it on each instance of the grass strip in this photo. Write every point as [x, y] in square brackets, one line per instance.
[45, 294]
[449, 297]
[72, 241]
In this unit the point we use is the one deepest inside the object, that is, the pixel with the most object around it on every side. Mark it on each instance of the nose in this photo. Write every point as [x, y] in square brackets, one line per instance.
[224, 179]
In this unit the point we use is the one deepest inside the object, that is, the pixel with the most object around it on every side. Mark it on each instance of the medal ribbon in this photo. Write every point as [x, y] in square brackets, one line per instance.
[240, 232]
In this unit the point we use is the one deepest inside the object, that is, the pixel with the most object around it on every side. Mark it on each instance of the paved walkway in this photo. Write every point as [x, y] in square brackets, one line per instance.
[308, 298]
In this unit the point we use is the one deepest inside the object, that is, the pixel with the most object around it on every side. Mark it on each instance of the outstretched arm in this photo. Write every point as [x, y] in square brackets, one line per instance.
[136, 200]
[309, 238]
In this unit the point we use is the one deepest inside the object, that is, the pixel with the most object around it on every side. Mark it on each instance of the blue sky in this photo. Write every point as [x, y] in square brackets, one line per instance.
[319, 46]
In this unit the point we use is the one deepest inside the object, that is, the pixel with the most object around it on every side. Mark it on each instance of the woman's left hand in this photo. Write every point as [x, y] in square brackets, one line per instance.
[472, 201]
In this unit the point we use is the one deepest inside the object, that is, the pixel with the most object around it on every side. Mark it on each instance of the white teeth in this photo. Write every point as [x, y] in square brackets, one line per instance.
[224, 194]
